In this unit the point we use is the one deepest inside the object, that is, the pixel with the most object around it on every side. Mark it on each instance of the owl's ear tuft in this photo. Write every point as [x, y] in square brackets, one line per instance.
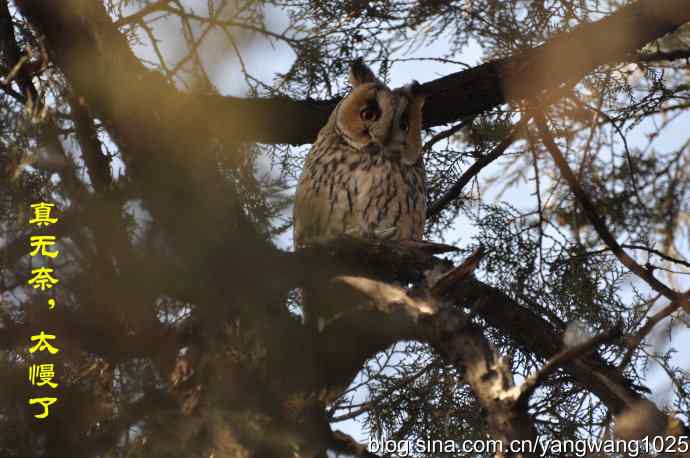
[416, 88]
[360, 73]
[417, 92]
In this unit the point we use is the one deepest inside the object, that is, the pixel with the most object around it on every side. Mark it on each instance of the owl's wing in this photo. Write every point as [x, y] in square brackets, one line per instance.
[309, 213]
[299, 217]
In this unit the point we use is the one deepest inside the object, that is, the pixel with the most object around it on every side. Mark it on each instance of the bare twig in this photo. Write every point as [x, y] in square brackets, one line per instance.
[592, 214]
[454, 191]
[658, 253]
[631, 167]
[160, 5]
[447, 133]
[367, 406]
[193, 52]
[652, 321]
[568, 354]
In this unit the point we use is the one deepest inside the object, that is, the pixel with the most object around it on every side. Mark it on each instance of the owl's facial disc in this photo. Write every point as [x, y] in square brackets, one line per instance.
[365, 116]
[379, 121]
[397, 133]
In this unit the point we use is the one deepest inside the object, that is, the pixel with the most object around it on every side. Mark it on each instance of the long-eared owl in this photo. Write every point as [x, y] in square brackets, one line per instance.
[364, 175]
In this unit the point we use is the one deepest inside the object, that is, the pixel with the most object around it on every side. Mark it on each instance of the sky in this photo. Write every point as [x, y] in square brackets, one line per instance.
[264, 60]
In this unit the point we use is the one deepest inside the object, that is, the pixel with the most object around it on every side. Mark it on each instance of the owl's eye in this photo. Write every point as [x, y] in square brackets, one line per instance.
[403, 124]
[370, 113]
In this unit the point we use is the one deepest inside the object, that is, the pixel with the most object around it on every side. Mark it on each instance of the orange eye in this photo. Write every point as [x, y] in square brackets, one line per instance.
[369, 114]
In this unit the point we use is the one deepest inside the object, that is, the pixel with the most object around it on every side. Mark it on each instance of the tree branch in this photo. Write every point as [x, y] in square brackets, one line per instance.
[454, 191]
[160, 5]
[417, 315]
[476, 90]
[664, 55]
[97, 164]
[597, 222]
[465, 93]
[567, 354]
[535, 335]
[527, 329]
[462, 343]
[423, 316]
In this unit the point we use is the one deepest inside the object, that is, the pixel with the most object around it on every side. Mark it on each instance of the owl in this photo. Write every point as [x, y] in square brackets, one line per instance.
[364, 175]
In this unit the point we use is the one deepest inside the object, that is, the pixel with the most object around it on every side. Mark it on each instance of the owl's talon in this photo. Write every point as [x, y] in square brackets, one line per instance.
[385, 233]
[353, 232]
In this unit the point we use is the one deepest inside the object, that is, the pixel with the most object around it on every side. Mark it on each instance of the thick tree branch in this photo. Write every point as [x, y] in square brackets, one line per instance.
[520, 323]
[469, 92]
[489, 375]
[392, 315]
[422, 316]
[349, 447]
[97, 164]
[664, 55]
[613, 39]
[537, 336]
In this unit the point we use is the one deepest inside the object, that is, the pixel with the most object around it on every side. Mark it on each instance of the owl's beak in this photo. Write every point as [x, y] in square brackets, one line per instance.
[391, 151]
[373, 148]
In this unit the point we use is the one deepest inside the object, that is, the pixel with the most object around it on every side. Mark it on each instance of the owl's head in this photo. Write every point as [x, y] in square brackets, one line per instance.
[379, 120]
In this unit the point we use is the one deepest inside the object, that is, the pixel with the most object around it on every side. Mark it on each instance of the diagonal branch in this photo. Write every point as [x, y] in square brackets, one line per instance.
[463, 343]
[568, 354]
[530, 331]
[597, 221]
[97, 164]
[454, 191]
[664, 55]
[678, 299]
[639, 336]
[533, 334]
[458, 341]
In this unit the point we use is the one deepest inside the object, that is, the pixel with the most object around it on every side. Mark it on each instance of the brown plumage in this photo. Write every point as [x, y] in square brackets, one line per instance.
[364, 175]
